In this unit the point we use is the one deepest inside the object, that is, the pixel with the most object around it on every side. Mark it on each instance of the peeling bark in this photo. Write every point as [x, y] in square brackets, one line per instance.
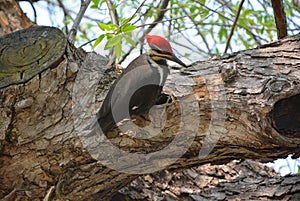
[247, 180]
[225, 108]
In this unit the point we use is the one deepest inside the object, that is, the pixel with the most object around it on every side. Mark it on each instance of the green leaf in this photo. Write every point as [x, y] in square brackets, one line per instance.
[217, 51]
[298, 168]
[109, 35]
[192, 9]
[118, 50]
[262, 30]
[259, 19]
[102, 26]
[95, 4]
[242, 22]
[250, 21]
[128, 28]
[129, 40]
[247, 12]
[113, 7]
[222, 34]
[111, 42]
[106, 27]
[99, 39]
[126, 20]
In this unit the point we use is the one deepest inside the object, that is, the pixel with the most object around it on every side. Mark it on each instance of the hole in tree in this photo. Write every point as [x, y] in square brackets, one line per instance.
[286, 116]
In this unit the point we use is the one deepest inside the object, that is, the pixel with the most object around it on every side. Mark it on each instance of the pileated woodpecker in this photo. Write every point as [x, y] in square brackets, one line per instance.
[139, 86]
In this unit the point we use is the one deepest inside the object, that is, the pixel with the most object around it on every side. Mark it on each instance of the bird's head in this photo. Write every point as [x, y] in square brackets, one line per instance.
[160, 48]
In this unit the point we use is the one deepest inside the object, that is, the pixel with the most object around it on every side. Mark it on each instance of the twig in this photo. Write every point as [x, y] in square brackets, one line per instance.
[112, 12]
[170, 22]
[66, 13]
[227, 4]
[280, 18]
[84, 44]
[69, 11]
[227, 18]
[120, 25]
[216, 10]
[199, 33]
[34, 11]
[193, 44]
[160, 15]
[181, 17]
[73, 31]
[115, 20]
[163, 21]
[233, 26]
[137, 10]
[156, 21]
[142, 15]
[151, 26]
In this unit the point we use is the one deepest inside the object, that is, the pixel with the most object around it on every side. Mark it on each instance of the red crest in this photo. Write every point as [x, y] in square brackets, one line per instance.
[159, 42]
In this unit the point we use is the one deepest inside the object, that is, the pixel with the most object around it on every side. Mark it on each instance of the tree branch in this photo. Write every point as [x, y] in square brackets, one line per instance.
[229, 19]
[240, 106]
[84, 5]
[280, 18]
[112, 12]
[233, 26]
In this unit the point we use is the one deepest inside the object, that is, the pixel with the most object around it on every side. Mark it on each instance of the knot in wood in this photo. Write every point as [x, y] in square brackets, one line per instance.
[25, 53]
[228, 71]
[278, 85]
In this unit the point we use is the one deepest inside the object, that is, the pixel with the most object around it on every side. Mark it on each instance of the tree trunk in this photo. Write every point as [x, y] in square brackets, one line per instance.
[239, 106]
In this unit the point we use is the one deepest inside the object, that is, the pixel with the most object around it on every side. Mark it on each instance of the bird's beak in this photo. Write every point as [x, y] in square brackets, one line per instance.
[175, 59]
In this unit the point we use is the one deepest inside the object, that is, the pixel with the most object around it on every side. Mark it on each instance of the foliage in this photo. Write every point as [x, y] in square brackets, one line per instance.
[115, 35]
[203, 25]
[211, 20]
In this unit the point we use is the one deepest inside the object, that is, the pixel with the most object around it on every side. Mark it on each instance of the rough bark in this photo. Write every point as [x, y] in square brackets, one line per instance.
[246, 180]
[226, 108]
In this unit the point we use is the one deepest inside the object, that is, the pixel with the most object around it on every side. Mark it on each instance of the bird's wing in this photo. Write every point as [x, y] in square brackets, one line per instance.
[137, 74]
